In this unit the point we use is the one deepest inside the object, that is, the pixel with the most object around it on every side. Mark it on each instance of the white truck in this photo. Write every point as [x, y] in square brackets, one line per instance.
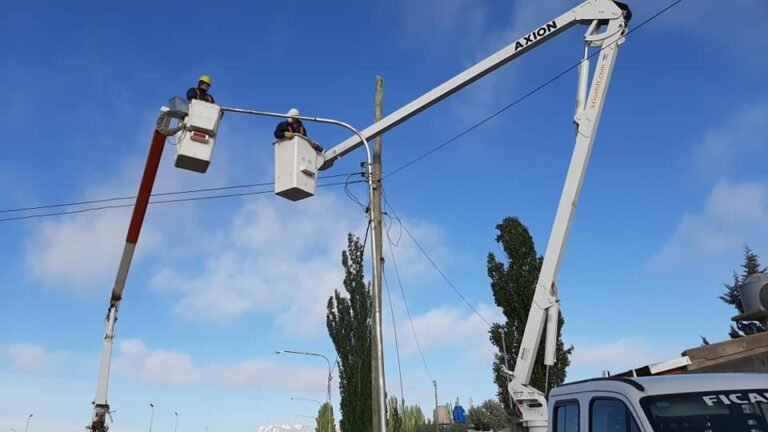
[667, 403]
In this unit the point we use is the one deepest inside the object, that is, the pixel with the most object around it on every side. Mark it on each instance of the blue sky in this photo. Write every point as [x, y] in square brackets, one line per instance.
[676, 186]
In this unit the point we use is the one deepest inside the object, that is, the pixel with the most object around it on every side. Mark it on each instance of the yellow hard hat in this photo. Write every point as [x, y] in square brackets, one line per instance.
[205, 79]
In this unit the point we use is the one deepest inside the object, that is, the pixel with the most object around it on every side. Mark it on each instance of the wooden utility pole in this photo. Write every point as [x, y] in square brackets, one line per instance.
[377, 351]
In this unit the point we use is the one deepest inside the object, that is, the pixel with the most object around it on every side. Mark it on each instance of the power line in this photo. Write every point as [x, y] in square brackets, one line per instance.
[394, 330]
[123, 198]
[522, 98]
[455, 289]
[177, 200]
[407, 309]
[402, 167]
[431, 261]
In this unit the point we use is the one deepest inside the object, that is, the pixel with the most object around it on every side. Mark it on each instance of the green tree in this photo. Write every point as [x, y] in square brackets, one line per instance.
[413, 418]
[731, 296]
[349, 326]
[394, 417]
[513, 286]
[490, 415]
[324, 419]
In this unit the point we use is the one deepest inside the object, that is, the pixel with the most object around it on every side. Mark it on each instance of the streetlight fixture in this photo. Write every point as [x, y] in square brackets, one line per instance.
[151, 416]
[176, 424]
[330, 377]
[26, 428]
[308, 400]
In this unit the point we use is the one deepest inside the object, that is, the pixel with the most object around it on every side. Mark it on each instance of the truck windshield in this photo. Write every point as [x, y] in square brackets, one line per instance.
[728, 411]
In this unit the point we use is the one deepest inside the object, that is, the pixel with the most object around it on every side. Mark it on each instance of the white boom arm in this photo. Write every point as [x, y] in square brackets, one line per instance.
[599, 15]
[586, 13]
[544, 310]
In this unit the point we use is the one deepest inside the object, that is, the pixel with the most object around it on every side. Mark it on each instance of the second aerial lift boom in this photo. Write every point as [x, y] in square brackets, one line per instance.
[607, 27]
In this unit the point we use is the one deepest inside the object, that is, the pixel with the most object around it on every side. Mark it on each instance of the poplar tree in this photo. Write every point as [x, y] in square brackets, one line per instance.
[513, 282]
[349, 326]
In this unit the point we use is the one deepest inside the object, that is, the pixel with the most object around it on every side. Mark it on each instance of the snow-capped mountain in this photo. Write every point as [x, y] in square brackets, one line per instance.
[285, 428]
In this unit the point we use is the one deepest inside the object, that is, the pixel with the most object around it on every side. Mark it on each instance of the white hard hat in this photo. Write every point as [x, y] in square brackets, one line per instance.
[293, 112]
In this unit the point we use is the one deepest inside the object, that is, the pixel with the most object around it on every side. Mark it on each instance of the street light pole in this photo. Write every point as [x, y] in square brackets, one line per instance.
[151, 415]
[437, 425]
[379, 387]
[330, 377]
[176, 424]
[26, 428]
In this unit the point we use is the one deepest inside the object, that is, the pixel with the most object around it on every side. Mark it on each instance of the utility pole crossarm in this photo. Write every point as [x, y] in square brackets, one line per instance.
[589, 11]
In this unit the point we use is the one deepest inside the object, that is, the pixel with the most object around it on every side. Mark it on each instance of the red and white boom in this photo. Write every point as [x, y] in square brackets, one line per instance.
[100, 404]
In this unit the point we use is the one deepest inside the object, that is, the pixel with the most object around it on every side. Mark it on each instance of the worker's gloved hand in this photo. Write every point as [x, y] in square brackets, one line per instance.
[289, 135]
[317, 147]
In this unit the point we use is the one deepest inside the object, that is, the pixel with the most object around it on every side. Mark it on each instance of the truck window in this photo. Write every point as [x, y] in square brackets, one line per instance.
[725, 411]
[567, 417]
[611, 415]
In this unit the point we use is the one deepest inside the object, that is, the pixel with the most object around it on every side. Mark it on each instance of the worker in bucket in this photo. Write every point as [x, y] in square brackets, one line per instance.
[201, 91]
[287, 129]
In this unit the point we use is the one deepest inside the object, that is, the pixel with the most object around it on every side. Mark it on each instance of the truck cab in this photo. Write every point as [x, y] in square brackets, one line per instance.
[733, 402]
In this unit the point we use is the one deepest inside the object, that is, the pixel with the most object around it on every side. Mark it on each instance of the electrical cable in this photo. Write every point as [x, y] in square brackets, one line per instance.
[522, 98]
[352, 196]
[177, 200]
[408, 310]
[394, 330]
[436, 267]
[402, 167]
[123, 198]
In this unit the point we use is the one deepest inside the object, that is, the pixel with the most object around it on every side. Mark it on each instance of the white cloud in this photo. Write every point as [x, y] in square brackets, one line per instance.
[81, 253]
[428, 20]
[591, 358]
[735, 214]
[449, 328]
[27, 357]
[743, 39]
[275, 257]
[173, 368]
[36, 423]
[742, 137]
[282, 259]
[156, 367]
[261, 373]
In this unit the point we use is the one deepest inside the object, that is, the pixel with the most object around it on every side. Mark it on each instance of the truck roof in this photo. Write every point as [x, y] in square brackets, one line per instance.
[666, 384]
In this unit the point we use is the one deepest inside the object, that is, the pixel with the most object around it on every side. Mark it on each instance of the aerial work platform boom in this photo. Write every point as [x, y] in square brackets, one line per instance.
[607, 27]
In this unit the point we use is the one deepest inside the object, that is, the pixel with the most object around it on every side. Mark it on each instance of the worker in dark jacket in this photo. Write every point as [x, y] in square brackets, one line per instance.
[287, 128]
[201, 91]
[293, 126]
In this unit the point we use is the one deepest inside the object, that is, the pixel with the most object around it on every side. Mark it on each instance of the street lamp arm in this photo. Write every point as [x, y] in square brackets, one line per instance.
[308, 118]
